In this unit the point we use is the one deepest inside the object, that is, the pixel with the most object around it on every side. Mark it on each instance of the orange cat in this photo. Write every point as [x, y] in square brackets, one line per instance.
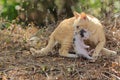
[64, 33]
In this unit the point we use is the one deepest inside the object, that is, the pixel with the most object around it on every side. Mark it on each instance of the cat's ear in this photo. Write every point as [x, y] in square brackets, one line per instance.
[83, 15]
[76, 14]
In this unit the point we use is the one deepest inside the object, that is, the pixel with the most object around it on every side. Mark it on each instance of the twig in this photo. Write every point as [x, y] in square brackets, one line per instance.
[62, 71]
[46, 74]
[81, 77]
[77, 71]
[105, 76]
[117, 77]
[113, 75]
[115, 22]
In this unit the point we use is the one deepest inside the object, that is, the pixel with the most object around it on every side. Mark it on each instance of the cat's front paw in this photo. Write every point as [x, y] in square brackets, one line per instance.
[95, 57]
[91, 51]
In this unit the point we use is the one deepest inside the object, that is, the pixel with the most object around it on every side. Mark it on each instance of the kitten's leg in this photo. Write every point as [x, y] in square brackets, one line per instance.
[87, 56]
[84, 53]
[64, 50]
[86, 46]
[83, 44]
[91, 51]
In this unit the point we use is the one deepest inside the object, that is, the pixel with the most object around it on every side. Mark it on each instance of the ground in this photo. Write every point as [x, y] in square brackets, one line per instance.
[17, 62]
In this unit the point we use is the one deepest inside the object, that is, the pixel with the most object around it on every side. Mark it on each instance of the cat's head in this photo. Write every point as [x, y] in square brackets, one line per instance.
[81, 21]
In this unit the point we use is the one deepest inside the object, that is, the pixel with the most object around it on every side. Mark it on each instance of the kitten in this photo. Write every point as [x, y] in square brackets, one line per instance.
[79, 45]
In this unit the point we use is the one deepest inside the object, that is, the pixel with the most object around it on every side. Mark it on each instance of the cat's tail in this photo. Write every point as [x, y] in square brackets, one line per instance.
[109, 52]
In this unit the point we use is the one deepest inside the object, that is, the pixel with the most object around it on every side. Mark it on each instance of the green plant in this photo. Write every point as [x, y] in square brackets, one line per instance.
[8, 9]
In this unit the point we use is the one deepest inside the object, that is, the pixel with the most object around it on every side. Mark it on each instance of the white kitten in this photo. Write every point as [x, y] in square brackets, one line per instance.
[78, 41]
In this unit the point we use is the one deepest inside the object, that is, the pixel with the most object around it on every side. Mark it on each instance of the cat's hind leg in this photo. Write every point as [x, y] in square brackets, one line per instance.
[49, 47]
[43, 51]
[64, 50]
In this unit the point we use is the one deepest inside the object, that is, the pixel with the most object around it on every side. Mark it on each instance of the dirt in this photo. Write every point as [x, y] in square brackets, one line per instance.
[17, 62]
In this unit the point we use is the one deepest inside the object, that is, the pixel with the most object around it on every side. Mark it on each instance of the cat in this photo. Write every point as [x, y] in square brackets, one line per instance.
[64, 34]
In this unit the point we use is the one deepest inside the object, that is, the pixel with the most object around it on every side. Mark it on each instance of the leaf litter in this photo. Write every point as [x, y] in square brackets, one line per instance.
[17, 62]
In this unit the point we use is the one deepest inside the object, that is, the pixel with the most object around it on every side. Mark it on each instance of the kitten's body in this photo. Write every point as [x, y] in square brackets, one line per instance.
[79, 45]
